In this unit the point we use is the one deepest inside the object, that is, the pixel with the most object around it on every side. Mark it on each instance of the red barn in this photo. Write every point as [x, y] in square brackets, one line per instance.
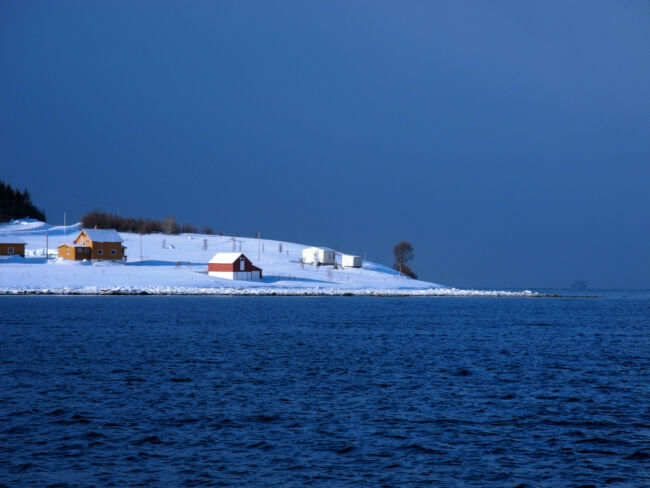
[233, 266]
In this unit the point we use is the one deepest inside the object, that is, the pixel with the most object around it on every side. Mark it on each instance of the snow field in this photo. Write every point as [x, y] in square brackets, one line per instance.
[177, 264]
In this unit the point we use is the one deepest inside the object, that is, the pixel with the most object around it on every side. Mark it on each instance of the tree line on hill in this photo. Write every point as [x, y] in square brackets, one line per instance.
[169, 225]
[16, 204]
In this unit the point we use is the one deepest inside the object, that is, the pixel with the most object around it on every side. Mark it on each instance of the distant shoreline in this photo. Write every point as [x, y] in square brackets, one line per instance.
[292, 293]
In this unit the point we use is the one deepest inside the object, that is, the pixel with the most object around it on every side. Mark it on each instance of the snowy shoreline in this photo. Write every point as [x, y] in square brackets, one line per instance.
[305, 292]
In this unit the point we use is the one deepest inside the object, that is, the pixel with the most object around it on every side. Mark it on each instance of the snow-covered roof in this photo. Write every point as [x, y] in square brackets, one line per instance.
[74, 245]
[225, 257]
[319, 248]
[103, 235]
[9, 239]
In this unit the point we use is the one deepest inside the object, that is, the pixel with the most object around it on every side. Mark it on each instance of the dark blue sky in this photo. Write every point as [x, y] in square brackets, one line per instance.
[509, 142]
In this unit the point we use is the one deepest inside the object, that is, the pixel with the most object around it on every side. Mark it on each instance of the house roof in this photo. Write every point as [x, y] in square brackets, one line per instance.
[78, 246]
[103, 235]
[11, 240]
[226, 257]
[319, 248]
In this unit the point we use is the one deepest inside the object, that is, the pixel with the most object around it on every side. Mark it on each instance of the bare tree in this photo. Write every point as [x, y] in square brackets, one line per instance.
[280, 247]
[404, 254]
[207, 230]
[170, 225]
[205, 245]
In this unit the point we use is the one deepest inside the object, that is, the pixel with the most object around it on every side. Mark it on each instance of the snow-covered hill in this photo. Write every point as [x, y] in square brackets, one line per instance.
[177, 264]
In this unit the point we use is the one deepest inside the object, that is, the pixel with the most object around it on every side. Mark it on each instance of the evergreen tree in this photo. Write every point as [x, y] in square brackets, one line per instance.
[16, 204]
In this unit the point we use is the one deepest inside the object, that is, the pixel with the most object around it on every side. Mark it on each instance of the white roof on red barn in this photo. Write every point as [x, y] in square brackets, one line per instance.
[103, 235]
[226, 257]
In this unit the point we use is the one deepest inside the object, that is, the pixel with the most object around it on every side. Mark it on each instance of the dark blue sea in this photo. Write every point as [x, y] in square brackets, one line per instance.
[280, 391]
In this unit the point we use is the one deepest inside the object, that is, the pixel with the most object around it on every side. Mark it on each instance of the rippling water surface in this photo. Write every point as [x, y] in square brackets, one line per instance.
[270, 391]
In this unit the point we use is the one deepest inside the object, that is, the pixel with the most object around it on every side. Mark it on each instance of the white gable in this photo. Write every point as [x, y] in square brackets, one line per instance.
[225, 257]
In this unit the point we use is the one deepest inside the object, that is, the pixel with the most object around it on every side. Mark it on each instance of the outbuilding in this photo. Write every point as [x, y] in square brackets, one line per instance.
[318, 255]
[350, 261]
[11, 246]
[233, 266]
[74, 252]
[94, 244]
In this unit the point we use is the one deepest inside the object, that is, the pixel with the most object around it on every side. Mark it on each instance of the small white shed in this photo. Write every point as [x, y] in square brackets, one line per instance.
[318, 255]
[350, 261]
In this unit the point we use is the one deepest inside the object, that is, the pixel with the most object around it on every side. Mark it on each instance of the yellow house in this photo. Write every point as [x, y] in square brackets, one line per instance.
[94, 244]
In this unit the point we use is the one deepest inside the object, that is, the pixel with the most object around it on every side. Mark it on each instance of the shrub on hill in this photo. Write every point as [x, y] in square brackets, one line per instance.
[189, 229]
[16, 204]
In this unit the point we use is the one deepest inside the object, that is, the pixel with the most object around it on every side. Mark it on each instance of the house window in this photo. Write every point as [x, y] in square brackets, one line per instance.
[68, 252]
[100, 252]
[10, 250]
[242, 264]
[114, 252]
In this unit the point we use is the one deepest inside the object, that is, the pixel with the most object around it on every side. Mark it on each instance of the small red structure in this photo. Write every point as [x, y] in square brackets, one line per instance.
[233, 266]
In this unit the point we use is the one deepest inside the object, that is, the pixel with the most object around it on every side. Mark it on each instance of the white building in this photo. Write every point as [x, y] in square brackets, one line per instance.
[318, 255]
[233, 266]
[350, 261]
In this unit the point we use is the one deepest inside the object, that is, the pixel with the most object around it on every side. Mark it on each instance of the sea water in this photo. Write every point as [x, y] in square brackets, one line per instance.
[291, 391]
